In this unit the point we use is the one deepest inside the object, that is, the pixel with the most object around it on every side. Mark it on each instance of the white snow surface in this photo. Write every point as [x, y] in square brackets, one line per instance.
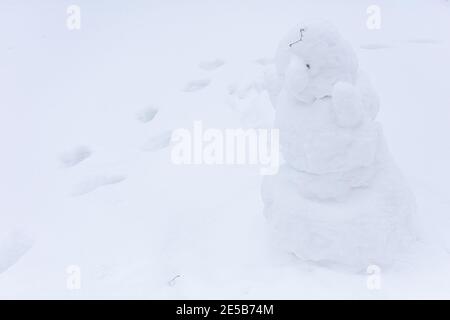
[139, 226]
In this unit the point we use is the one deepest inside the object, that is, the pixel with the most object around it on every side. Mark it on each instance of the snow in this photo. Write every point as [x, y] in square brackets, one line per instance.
[170, 231]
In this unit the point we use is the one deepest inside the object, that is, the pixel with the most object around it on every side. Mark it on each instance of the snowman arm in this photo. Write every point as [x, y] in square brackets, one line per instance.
[346, 105]
[369, 97]
[370, 102]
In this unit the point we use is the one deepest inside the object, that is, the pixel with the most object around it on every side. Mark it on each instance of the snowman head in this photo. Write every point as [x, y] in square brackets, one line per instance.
[312, 58]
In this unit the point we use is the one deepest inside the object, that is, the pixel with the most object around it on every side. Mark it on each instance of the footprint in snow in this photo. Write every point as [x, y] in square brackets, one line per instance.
[196, 85]
[13, 246]
[158, 142]
[96, 182]
[211, 65]
[75, 156]
[147, 114]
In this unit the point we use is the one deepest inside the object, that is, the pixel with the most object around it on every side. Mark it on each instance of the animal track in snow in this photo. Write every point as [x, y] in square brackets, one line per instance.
[196, 85]
[75, 156]
[96, 182]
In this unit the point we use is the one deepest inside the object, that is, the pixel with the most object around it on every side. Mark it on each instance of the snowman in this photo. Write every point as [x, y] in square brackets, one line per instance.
[338, 199]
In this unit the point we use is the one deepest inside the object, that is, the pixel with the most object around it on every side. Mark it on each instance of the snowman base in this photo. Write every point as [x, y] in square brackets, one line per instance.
[370, 225]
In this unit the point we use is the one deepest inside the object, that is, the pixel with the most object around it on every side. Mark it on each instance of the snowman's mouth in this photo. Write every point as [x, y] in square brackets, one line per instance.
[312, 99]
[325, 97]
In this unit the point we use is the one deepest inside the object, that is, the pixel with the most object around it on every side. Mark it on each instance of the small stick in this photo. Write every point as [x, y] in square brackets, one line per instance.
[301, 38]
[172, 281]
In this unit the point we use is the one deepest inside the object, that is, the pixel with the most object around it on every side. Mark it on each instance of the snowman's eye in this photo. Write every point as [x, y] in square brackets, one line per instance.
[308, 66]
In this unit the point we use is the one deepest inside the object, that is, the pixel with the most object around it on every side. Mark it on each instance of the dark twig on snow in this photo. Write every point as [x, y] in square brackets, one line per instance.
[171, 282]
[301, 37]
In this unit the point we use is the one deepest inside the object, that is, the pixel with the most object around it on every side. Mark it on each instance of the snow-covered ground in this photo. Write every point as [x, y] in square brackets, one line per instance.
[85, 124]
